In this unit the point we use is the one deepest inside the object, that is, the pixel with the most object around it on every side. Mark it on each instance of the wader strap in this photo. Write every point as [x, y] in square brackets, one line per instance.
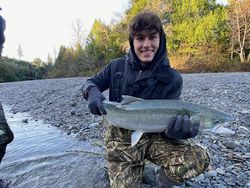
[117, 82]
[117, 87]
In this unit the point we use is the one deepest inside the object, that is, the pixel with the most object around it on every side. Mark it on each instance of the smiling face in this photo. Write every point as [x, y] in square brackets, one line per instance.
[146, 45]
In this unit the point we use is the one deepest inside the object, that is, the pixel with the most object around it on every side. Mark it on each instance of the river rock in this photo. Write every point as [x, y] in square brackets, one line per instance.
[230, 144]
[220, 171]
[243, 130]
[223, 131]
[25, 120]
[211, 173]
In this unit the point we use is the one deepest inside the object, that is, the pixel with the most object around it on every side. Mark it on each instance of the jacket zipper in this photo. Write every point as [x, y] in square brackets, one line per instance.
[138, 75]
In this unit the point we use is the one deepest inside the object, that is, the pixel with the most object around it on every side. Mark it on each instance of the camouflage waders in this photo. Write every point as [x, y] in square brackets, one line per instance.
[180, 160]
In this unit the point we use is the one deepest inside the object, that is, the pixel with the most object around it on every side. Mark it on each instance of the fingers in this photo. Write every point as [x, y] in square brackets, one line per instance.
[94, 110]
[195, 130]
[178, 123]
[186, 127]
[171, 123]
[181, 127]
[101, 109]
[97, 108]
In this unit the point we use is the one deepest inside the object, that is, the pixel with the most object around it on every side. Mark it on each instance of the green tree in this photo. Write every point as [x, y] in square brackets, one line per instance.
[65, 65]
[197, 26]
[98, 43]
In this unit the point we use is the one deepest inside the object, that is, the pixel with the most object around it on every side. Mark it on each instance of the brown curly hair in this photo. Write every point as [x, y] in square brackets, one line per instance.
[145, 21]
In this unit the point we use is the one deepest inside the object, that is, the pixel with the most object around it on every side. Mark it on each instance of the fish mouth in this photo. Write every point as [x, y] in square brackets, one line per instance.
[228, 118]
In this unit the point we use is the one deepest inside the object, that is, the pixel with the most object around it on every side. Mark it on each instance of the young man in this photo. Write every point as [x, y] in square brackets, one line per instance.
[6, 135]
[145, 72]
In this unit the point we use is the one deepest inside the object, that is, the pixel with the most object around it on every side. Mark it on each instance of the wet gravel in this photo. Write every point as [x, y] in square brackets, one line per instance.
[59, 102]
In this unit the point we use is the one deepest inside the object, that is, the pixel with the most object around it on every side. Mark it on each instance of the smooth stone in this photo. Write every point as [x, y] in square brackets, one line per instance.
[200, 177]
[25, 120]
[229, 168]
[247, 155]
[230, 144]
[243, 129]
[221, 186]
[211, 173]
[93, 125]
[220, 171]
[223, 131]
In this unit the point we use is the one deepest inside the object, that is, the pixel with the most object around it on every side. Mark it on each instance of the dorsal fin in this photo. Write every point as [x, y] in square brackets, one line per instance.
[128, 99]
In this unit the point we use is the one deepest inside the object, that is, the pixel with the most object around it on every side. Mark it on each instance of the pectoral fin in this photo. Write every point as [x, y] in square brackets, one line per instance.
[135, 137]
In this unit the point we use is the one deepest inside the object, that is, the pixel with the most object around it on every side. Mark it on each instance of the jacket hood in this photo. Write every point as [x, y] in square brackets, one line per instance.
[160, 55]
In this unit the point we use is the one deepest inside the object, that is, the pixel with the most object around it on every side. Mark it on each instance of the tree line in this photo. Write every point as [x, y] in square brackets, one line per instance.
[18, 70]
[202, 36]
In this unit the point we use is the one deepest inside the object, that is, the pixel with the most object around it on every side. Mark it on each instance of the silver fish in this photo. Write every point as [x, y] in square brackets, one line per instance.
[153, 115]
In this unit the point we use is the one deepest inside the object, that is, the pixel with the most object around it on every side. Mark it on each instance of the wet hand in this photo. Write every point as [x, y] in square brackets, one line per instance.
[95, 99]
[181, 127]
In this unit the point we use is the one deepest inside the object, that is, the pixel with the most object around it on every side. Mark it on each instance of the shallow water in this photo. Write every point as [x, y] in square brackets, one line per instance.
[43, 156]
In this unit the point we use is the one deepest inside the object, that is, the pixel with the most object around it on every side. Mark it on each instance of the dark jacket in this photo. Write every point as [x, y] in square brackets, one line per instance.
[2, 28]
[126, 76]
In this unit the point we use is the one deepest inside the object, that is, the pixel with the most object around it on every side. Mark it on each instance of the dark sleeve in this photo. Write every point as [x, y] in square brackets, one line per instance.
[101, 80]
[2, 28]
[175, 91]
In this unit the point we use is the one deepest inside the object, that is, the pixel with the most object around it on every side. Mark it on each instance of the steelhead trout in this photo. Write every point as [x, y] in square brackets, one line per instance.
[153, 115]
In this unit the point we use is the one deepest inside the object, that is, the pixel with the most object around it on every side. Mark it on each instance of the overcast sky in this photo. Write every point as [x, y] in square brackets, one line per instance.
[41, 26]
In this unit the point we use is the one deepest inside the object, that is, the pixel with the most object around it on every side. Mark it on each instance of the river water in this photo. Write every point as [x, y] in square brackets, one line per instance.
[43, 156]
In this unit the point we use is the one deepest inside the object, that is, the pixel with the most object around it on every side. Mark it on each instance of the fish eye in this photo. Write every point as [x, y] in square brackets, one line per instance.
[216, 121]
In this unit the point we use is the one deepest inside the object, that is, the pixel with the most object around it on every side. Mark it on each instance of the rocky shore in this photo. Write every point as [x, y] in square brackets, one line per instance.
[59, 102]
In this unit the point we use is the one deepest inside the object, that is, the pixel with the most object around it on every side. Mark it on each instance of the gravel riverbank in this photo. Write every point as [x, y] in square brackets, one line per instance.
[59, 102]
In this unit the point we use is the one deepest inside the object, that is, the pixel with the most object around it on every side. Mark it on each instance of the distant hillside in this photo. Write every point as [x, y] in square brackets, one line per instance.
[17, 70]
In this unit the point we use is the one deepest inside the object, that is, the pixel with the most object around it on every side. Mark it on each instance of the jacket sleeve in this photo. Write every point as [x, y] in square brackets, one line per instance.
[101, 80]
[175, 91]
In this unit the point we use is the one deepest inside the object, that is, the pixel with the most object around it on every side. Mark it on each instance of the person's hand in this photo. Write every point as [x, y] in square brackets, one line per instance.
[95, 98]
[181, 127]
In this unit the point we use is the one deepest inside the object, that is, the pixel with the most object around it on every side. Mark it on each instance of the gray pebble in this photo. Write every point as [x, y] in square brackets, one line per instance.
[221, 186]
[229, 168]
[25, 120]
[220, 171]
[211, 173]
[200, 177]
[230, 144]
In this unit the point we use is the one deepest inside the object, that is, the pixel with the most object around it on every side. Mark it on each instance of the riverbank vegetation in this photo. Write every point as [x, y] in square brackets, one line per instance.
[17, 70]
[202, 36]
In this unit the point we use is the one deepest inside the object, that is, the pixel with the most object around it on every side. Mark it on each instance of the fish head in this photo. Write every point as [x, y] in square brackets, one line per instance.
[212, 119]
[209, 119]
